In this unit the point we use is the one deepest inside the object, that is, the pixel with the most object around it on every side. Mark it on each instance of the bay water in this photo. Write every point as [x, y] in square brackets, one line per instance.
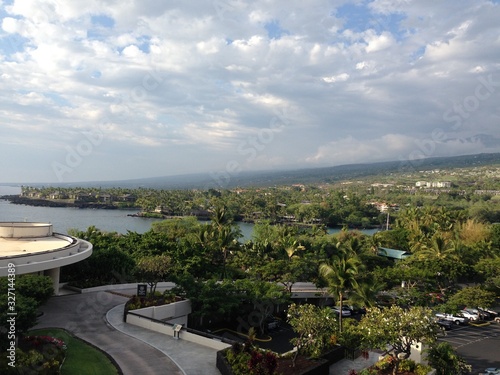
[65, 218]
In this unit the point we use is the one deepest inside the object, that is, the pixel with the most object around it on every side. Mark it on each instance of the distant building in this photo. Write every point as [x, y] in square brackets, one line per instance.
[433, 184]
[487, 192]
[384, 207]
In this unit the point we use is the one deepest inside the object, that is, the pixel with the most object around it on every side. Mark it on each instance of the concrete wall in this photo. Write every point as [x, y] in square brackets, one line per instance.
[25, 230]
[175, 313]
[168, 330]
[115, 287]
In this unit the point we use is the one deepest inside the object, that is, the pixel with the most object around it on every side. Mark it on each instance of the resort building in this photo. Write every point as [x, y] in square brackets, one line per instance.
[34, 248]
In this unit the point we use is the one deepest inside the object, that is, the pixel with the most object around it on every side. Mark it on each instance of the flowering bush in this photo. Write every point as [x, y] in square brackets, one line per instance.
[316, 329]
[41, 355]
[248, 360]
[38, 341]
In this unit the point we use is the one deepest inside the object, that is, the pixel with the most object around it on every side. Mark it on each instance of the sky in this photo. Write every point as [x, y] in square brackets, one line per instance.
[102, 90]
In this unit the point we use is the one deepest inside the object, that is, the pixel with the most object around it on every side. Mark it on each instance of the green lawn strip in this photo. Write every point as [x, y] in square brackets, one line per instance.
[82, 358]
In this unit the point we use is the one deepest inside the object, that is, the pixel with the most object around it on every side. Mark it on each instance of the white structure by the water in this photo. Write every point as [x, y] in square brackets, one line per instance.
[35, 248]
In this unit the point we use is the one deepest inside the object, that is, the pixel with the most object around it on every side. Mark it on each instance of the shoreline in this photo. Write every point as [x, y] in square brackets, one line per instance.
[35, 202]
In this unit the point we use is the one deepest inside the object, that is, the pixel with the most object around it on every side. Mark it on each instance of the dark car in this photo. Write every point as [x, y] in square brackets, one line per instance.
[355, 310]
[272, 323]
[444, 324]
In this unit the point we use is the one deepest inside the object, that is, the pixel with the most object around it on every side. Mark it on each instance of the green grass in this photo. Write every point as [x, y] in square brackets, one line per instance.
[81, 358]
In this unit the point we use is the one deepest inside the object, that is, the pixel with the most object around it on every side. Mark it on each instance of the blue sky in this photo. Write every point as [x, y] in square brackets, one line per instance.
[107, 90]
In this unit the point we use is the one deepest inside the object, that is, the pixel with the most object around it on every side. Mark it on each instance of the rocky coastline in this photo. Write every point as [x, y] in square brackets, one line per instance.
[16, 199]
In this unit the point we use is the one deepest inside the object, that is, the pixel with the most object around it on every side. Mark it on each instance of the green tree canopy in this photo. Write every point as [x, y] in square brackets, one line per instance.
[154, 269]
[316, 329]
[397, 328]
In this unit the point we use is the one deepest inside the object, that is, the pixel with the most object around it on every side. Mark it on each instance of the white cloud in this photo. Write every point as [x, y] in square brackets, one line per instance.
[337, 78]
[378, 42]
[192, 81]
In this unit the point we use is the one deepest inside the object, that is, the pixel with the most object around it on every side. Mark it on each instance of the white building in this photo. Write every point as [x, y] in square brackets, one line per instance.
[34, 248]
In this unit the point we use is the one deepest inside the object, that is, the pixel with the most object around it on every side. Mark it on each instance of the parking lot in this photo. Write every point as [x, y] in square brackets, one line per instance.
[479, 346]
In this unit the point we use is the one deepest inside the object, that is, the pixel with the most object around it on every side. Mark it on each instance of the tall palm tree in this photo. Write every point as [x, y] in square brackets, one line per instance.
[340, 273]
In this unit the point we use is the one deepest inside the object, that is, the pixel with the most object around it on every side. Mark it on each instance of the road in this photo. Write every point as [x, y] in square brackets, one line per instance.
[479, 346]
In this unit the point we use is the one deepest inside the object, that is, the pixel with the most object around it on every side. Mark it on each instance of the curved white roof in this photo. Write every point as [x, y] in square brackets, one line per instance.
[33, 247]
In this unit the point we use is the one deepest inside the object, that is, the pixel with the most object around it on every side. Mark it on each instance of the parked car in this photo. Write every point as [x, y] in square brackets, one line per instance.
[445, 324]
[272, 323]
[356, 310]
[470, 314]
[491, 313]
[492, 371]
[345, 310]
[455, 318]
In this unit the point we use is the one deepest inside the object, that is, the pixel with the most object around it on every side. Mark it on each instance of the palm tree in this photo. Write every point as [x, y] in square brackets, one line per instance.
[365, 293]
[440, 249]
[340, 273]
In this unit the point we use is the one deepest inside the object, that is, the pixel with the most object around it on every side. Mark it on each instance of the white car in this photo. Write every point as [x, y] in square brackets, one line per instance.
[455, 318]
[470, 314]
[492, 371]
[345, 310]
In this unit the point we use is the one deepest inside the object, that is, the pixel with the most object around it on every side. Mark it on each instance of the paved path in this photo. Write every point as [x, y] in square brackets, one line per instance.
[97, 317]
[84, 316]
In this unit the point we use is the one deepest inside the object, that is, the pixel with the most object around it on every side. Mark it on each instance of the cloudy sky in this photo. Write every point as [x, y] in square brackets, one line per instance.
[122, 89]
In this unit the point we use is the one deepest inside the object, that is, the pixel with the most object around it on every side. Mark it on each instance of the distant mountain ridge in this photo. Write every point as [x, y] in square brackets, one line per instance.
[223, 180]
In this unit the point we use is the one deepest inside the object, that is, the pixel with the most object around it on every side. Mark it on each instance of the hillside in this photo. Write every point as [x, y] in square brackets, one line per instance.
[300, 176]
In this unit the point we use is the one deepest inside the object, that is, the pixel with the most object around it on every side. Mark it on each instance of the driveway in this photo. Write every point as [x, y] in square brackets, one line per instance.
[84, 316]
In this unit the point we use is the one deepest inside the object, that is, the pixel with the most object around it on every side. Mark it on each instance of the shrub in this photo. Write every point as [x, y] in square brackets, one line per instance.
[422, 370]
[238, 360]
[384, 363]
[248, 360]
[368, 371]
[407, 365]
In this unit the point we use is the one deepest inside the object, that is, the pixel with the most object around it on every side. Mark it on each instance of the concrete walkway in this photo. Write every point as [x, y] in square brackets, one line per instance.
[192, 358]
[97, 318]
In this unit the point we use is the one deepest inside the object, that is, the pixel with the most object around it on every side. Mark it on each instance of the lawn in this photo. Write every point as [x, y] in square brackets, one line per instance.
[81, 358]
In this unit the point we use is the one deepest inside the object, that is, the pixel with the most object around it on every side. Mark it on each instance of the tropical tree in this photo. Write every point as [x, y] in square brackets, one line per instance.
[264, 297]
[211, 300]
[153, 269]
[440, 249]
[220, 237]
[471, 296]
[365, 294]
[397, 328]
[316, 329]
[446, 361]
[340, 273]
[487, 269]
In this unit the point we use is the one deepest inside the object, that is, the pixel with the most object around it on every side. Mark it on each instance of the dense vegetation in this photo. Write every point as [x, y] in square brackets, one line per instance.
[449, 233]
[355, 203]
